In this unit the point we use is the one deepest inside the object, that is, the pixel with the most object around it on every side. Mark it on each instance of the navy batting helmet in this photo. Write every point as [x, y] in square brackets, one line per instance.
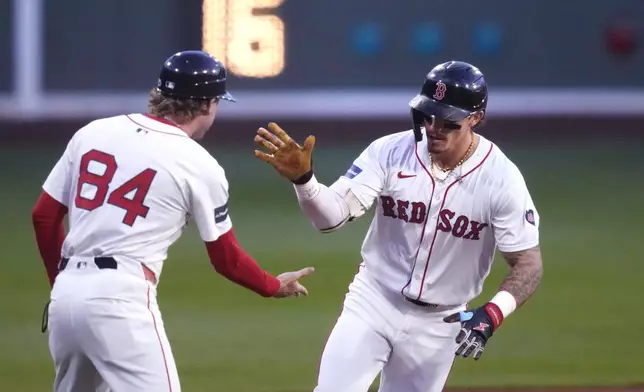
[193, 74]
[452, 91]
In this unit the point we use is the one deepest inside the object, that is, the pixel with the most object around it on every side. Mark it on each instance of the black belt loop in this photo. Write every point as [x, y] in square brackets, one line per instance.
[101, 262]
[105, 262]
[63, 263]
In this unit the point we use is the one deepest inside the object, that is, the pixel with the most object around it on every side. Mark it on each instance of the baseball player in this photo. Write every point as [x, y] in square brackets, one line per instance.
[446, 198]
[130, 184]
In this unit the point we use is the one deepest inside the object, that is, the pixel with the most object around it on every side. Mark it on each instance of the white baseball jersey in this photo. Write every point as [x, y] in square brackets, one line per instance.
[131, 183]
[434, 240]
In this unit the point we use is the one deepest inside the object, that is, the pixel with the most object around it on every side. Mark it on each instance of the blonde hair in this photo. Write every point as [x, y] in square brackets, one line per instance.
[181, 110]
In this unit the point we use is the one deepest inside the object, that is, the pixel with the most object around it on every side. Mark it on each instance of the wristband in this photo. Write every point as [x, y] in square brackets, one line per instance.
[505, 301]
[304, 179]
[308, 190]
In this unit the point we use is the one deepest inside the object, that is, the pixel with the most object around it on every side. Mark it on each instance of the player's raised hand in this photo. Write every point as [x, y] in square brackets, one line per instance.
[287, 157]
[291, 286]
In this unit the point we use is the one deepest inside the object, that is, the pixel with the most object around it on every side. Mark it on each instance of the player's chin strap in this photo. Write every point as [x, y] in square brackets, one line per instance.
[418, 134]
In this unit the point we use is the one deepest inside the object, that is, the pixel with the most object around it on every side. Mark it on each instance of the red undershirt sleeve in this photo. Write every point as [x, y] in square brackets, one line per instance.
[231, 261]
[208, 196]
[48, 220]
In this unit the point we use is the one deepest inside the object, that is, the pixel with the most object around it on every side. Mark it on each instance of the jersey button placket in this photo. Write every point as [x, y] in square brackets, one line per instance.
[417, 273]
[423, 257]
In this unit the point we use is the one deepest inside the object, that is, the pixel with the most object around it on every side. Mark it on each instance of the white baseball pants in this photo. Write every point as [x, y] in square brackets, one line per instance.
[106, 334]
[379, 331]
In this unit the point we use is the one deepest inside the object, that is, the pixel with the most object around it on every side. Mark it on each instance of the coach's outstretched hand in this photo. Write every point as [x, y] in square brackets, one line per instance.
[291, 287]
[287, 157]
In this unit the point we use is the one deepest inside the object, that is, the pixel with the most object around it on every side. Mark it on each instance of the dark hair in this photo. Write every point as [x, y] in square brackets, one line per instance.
[182, 110]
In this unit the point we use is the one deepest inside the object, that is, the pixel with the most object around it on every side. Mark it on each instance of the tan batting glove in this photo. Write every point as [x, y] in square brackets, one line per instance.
[287, 157]
[291, 287]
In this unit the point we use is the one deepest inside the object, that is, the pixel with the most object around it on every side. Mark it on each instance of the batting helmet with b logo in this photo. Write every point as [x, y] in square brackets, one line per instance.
[451, 91]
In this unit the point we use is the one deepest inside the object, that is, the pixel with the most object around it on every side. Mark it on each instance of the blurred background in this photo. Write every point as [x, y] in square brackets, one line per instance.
[566, 104]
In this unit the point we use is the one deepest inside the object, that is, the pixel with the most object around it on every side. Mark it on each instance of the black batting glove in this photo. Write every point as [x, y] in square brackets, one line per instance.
[477, 326]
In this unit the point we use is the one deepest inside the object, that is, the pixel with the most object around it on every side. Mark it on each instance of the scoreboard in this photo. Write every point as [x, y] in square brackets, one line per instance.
[324, 58]
[292, 44]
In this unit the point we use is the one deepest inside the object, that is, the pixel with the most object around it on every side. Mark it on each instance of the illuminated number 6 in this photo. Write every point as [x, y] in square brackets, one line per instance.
[244, 37]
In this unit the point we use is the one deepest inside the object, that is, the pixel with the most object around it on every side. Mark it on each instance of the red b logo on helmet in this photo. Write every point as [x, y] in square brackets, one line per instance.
[441, 88]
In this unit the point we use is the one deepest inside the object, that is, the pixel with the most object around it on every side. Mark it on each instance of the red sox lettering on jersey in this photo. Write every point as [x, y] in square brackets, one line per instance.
[434, 239]
[415, 211]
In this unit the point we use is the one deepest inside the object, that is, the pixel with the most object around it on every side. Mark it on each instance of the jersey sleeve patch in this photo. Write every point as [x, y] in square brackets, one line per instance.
[353, 171]
[529, 216]
[221, 213]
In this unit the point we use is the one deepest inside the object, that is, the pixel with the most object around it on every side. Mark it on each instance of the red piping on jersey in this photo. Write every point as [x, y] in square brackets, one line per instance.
[156, 329]
[230, 260]
[422, 234]
[159, 119]
[48, 218]
[431, 247]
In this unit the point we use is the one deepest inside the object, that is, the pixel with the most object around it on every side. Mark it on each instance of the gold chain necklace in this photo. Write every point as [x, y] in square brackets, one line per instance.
[465, 156]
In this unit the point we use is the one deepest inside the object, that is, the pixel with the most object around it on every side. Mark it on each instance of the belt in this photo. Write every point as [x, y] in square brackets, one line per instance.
[421, 303]
[101, 263]
[109, 263]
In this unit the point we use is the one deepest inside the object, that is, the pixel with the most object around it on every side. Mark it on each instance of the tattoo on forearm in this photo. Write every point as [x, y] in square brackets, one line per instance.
[525, 275]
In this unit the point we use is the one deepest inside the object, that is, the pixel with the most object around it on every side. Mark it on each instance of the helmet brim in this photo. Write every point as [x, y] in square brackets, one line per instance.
[225, 96]
[228, 97]
[431, 107]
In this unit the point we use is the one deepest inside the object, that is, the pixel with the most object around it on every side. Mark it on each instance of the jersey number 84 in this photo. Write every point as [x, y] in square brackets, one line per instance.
[139, 184]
